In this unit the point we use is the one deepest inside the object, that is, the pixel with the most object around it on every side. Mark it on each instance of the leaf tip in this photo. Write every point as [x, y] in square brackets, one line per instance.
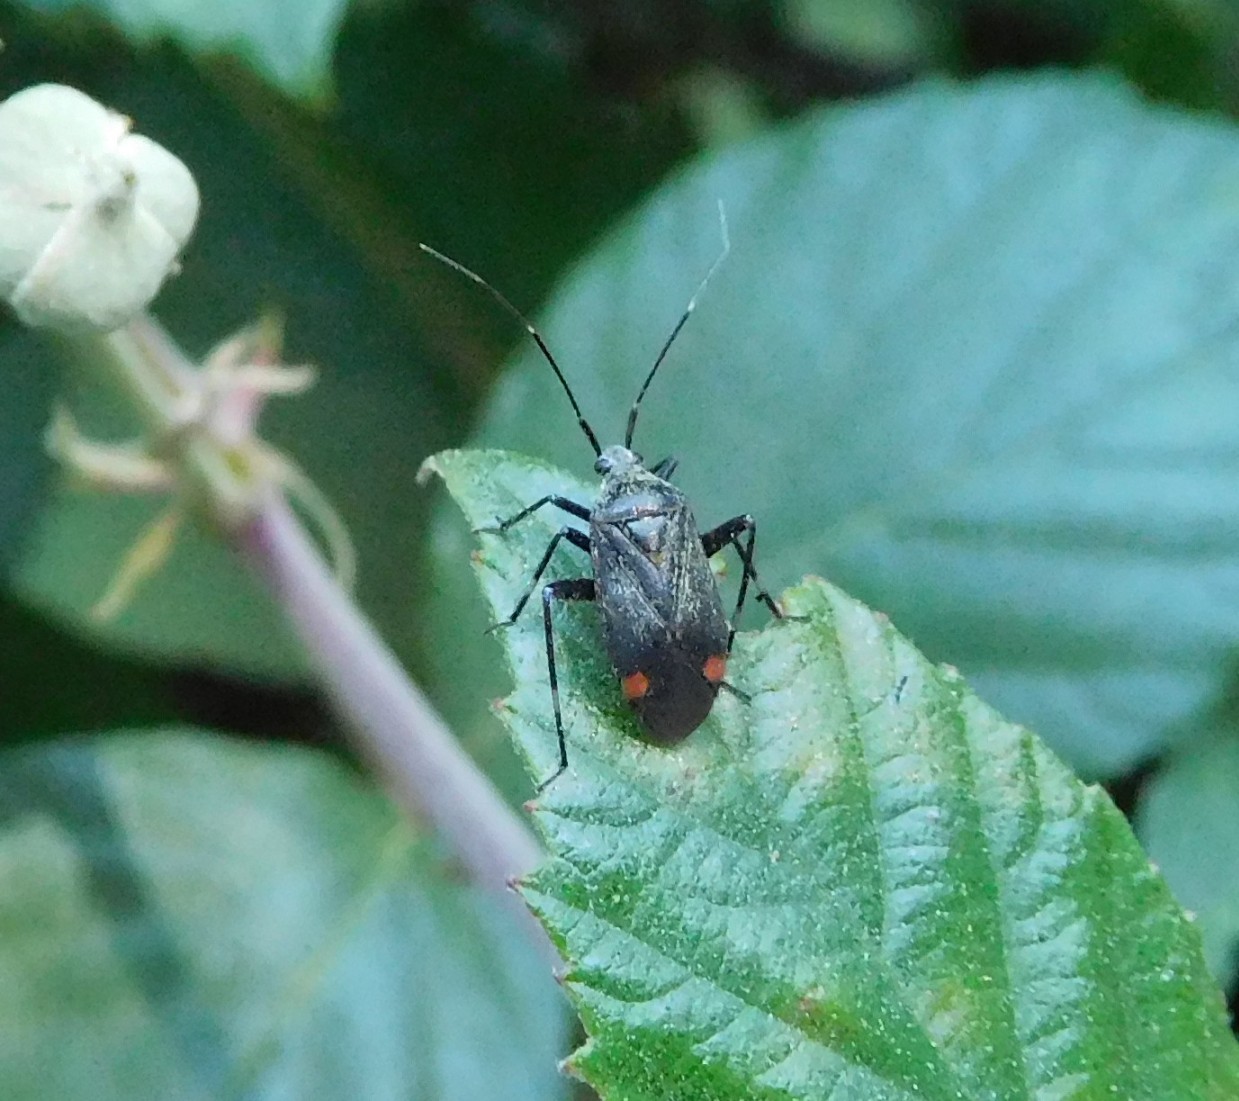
[430, 468]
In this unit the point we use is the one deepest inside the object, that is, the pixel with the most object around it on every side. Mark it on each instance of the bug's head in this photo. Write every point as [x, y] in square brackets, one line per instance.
[618, 460]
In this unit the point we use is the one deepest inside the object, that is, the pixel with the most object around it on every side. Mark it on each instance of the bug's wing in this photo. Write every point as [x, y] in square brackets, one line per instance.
[696, 617]
[631, 574]
[632, 598]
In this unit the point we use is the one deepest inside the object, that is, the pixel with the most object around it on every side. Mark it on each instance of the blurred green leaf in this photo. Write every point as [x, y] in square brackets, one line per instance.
[882, 32]
[1172, 53]
[864, 884]
[505, 157]
[1188, 819]
[76, 549]
[288, 42]
[187, 917]
[724, 107]
[972, 357]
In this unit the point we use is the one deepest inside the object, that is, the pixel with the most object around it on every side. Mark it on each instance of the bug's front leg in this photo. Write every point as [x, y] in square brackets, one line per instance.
[566, 504]
[576, 538]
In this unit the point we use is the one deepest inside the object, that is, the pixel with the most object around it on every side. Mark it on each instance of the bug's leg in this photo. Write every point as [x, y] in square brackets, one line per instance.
[666, 468]
[733, 532]
[565, 503]
[743, 697]
[574, 588]
[897, 695]
[576, 538]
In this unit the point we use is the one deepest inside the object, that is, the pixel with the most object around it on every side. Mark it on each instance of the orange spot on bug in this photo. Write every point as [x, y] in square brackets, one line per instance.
[715, 668]
[635, 685]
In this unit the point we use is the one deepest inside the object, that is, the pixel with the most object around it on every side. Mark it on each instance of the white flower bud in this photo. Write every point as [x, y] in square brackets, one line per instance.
[92, 217]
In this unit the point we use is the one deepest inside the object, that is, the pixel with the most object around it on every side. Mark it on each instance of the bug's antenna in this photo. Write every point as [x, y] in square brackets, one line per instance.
[537, 336]
[692, 305]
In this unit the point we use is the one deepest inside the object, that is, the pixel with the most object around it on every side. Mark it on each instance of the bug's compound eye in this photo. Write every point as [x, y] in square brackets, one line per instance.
[602, 465]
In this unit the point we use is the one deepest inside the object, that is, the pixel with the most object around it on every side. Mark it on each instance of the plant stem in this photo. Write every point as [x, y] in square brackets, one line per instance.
[395, 728]
[399, 733]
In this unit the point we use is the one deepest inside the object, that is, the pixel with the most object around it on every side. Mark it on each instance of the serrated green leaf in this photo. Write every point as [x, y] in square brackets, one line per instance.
[289, 42]
[972, 356]
[188, 917]
[1188, 819]
[864, 884]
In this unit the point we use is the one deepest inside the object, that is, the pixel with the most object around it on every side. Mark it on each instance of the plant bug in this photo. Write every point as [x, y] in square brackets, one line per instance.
[663, 623]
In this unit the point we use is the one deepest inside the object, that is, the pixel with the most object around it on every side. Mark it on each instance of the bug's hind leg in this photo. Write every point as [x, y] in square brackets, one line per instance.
[732, 532]
[574, 588]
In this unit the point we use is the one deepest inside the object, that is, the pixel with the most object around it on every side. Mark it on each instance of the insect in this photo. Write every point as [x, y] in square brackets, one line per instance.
[663, 623]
